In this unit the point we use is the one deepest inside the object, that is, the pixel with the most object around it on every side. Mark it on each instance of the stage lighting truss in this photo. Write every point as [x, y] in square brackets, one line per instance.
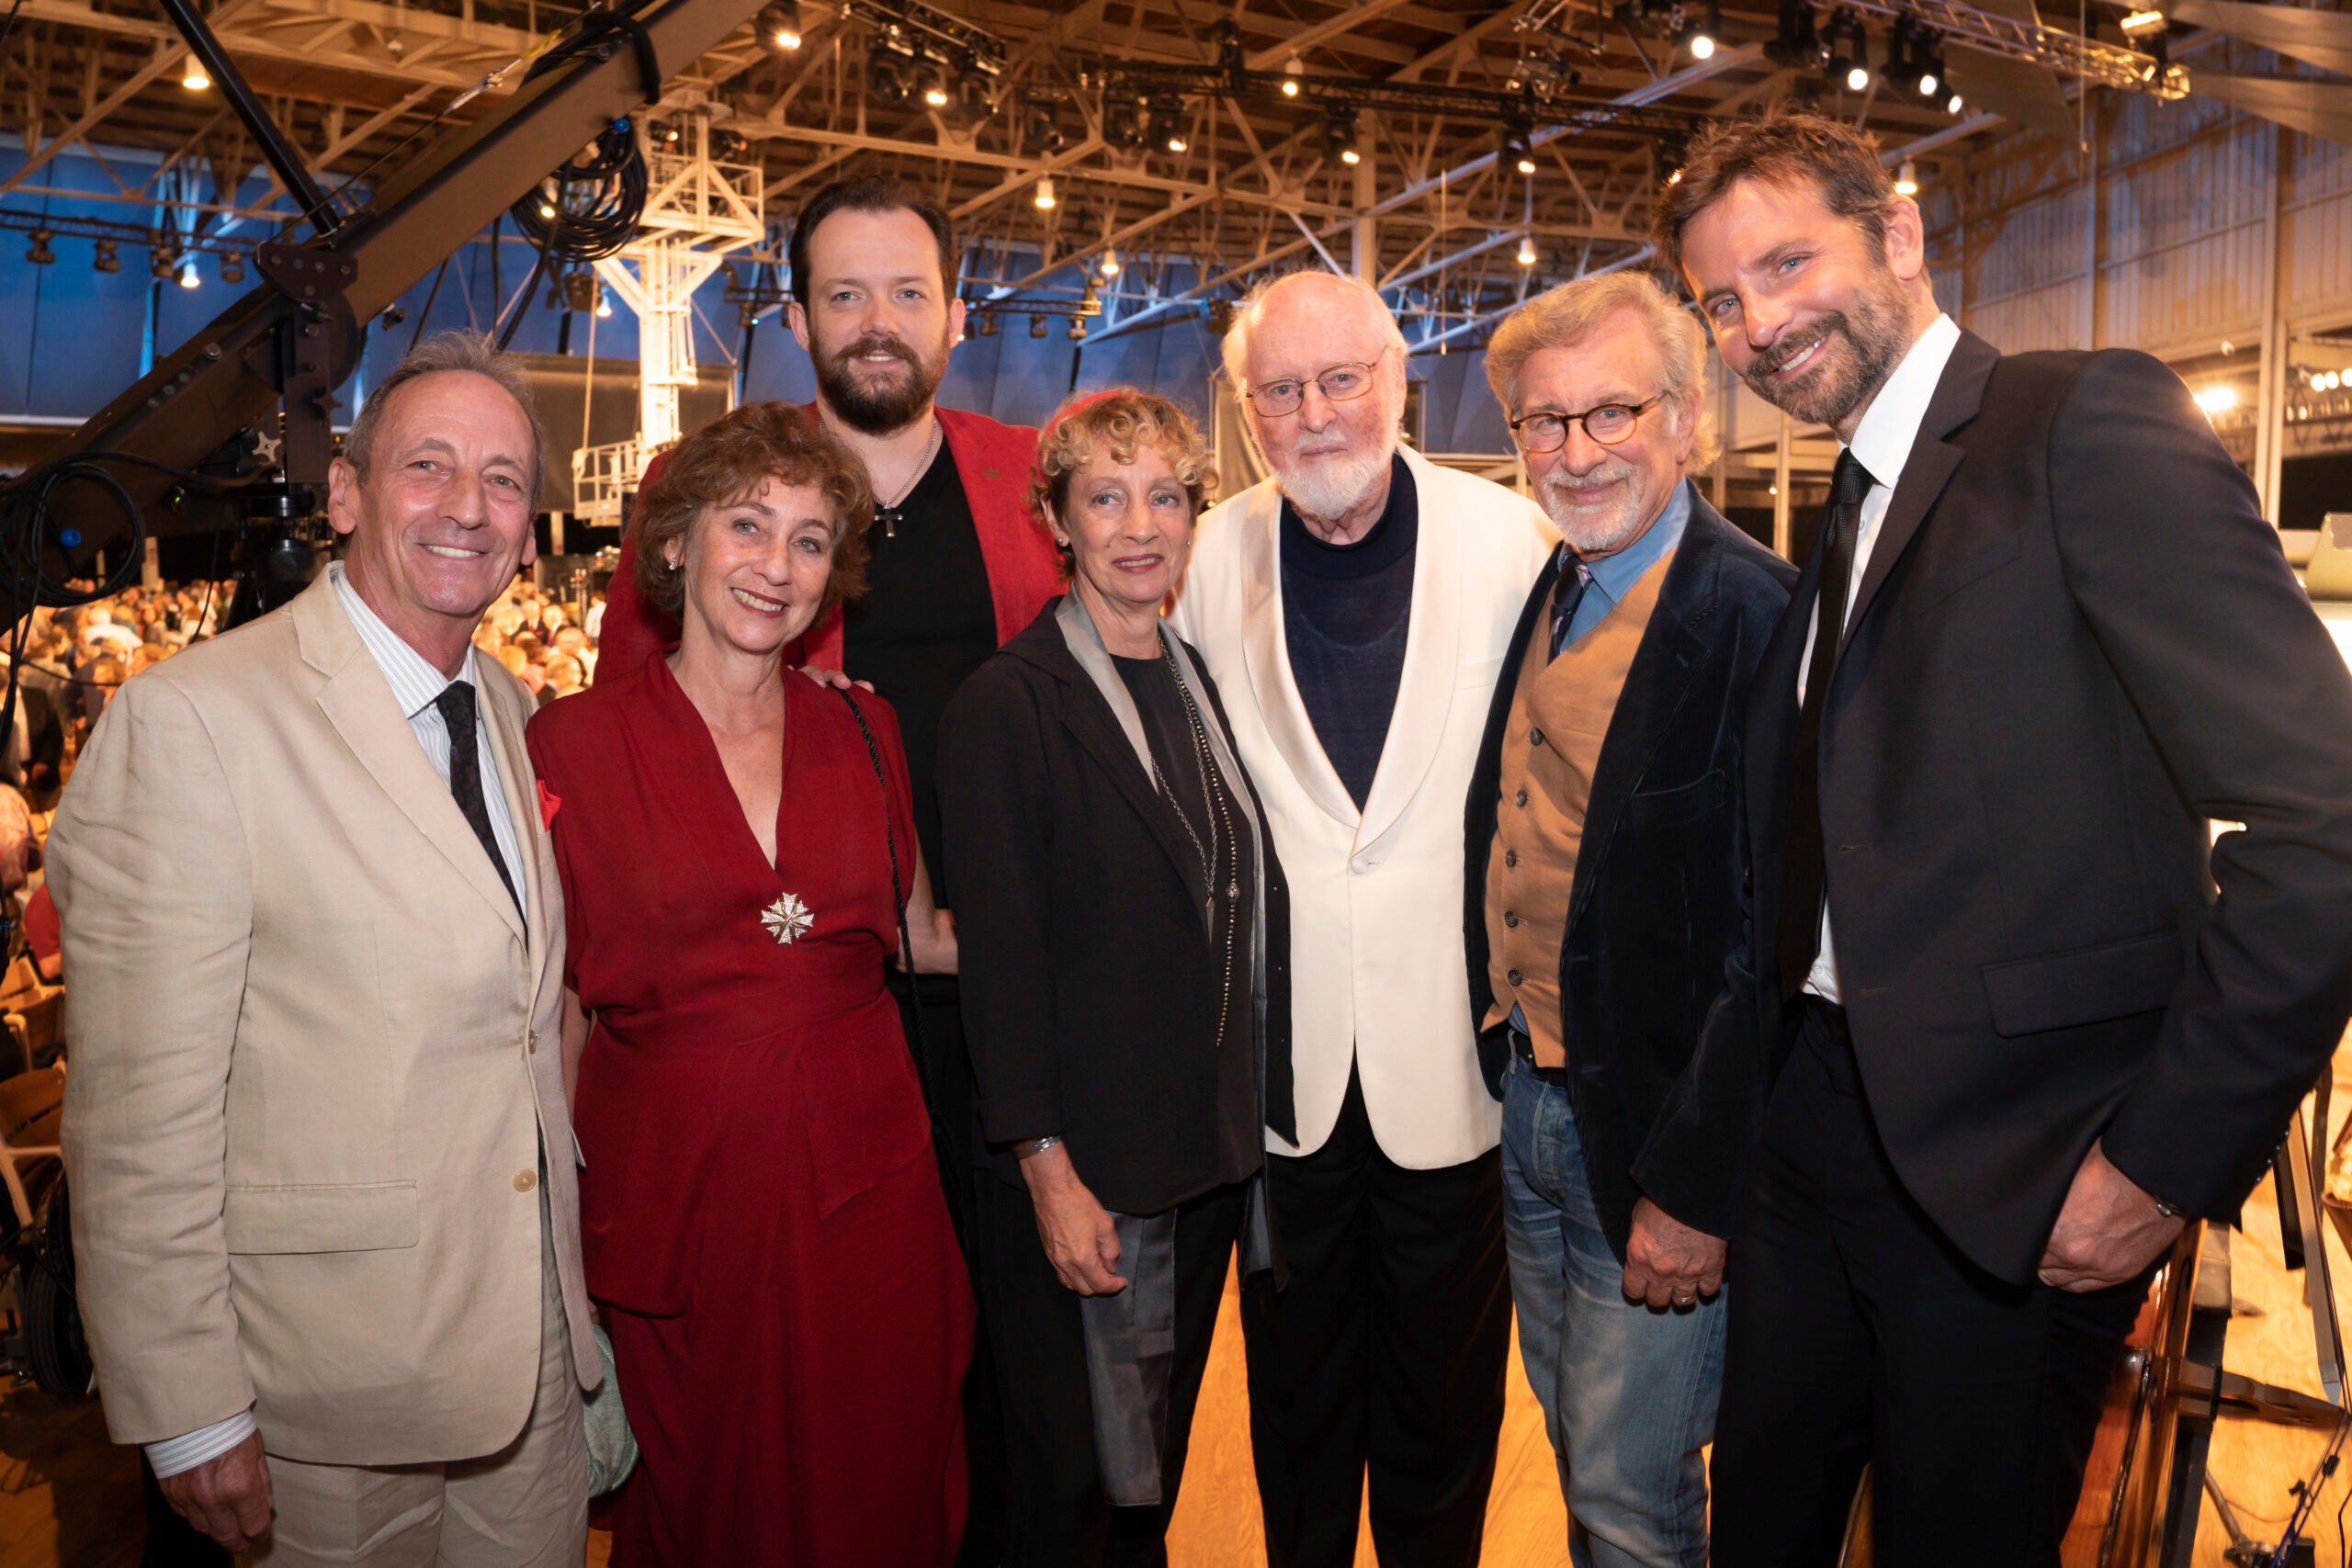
[921, 53]
[2069, 54]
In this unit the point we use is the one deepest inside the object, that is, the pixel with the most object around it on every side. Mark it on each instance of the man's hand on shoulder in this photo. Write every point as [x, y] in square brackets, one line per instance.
[1668, 1264]
[2107, 1232]
[227, 1496]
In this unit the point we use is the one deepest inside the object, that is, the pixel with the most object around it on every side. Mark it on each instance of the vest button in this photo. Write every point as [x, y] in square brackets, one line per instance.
[1520, 799]
[1510, 858]
[1511, 920]
[1535, 737]
[1512, 977]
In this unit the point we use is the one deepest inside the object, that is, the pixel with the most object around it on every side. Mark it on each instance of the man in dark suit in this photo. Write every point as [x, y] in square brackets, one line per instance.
[1605, 914]
[2034, 1015]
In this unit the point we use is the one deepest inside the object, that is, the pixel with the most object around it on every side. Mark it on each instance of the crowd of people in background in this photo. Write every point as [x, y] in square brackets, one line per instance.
[546, 641]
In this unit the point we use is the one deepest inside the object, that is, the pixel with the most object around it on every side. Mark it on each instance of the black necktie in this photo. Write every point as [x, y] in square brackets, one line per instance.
[1566, 594]
[457, 704]
[1806, 874]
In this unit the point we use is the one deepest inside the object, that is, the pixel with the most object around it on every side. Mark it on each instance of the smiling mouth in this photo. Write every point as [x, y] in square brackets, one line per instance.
[1137, 563]
[757, 603]
[1802, 357]
[451, 552]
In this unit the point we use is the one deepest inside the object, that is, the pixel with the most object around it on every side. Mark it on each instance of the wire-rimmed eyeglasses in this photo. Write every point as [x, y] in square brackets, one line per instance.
[1341, 383]
[1608, 423]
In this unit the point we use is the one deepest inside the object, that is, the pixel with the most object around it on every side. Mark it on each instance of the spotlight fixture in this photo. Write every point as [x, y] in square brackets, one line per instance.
[1046, 193]
[1797, 45]
[1339, 141]
[1177, 141]
[40, 254]
[603, 305]
[2140, 22]
[2319, 381]
[192, 77]
[1850, 51]
[1518, 149]
[1037, 326]
[232, 268]
[105, 260]
[393, 316]
[188, 279]
[546, 209]
[2218, 399]
[1293, 69]
[1929, 56]
[1953, 104]
[885, 82]
[975, 92]
[935, 89]
[1122, 126]
[1077, 328]
[162, 261]
[987, 327]
[1526, 251]
[580, 289]
[1708, 33]
[779, 27]
[1110, 264]
[1221, 313]
[1907, 179]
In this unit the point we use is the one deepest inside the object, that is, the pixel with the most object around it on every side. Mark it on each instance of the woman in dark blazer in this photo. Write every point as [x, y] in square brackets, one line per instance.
[1124, 930]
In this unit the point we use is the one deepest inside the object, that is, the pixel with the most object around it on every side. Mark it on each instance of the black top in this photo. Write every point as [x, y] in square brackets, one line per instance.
[1346, 609]
[1225, 895]
[925, 622]
[1091, 992]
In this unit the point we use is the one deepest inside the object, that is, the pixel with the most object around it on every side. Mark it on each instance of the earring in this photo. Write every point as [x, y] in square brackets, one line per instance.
[674, 566]
[1061, 542]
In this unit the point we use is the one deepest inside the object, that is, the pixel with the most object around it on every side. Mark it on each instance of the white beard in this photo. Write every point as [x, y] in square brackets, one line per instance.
[1325, 488]
[1589, 533]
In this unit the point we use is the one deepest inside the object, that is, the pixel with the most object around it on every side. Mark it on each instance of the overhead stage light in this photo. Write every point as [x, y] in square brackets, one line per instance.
[188, 279]
[40, 254]
[1850, 51]
[1526, 251]
[779, 27]
[2218, 399]
[1110, 267]
[1293, 69]
[1044, 197]
[1708, 34]
[2140, 22]
[232, 268]
[1907, 179]
[105, 260]
[1037, 326]
[194, 77]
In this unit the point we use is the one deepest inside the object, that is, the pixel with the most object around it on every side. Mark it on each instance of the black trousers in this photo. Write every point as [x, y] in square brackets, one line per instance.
[1859, 1333]
[936, 1037]
[1385, 1351]
[1057, 1514]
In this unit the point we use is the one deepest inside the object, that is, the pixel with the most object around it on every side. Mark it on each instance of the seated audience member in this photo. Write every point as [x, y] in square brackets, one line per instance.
[1122, 984]
[573, 642]
[563, 675]
[344, 1316]
[767, 1235]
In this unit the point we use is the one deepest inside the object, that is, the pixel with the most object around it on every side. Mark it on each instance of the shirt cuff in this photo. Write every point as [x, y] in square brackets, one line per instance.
[176, 1454]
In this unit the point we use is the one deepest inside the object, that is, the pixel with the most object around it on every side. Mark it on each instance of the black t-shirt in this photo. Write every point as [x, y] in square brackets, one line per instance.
[1168, 730]
[924, 623]
[1346, 612]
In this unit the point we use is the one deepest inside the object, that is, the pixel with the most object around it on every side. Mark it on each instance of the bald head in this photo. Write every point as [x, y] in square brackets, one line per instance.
[1300, 302]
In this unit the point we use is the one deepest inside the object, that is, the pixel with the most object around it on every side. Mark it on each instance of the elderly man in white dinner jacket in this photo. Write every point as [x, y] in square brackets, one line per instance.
[1354, 610]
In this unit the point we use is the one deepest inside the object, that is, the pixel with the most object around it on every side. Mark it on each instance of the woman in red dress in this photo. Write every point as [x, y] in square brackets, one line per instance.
[760, 1209]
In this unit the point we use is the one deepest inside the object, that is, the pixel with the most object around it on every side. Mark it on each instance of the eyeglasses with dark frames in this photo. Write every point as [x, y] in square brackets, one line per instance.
[1341, 384]
[1609, 424]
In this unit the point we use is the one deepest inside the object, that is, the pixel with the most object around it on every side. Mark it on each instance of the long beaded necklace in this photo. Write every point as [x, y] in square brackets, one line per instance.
[1217, 807]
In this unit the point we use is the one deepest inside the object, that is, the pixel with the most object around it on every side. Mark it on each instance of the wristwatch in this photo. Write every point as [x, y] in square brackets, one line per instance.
[2169, 1210]
[1027, 1147]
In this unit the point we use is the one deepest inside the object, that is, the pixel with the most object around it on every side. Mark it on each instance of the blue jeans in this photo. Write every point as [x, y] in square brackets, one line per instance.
[1628, 1393]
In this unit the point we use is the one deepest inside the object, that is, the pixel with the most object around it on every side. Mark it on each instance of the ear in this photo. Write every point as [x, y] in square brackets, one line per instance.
[954, 321]
[1907, 240]
[343, 495]
[797, 319]
[1687, 415]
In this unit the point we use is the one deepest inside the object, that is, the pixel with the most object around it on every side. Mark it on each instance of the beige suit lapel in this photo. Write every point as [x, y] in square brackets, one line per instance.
[359, 702]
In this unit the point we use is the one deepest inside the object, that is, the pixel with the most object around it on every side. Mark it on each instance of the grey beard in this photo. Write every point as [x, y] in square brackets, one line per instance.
[1876, 331]
[1330, 487]
[1588, 535]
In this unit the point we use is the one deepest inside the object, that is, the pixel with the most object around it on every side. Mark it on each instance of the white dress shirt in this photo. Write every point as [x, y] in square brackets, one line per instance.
[1881, 444]
[415, 684]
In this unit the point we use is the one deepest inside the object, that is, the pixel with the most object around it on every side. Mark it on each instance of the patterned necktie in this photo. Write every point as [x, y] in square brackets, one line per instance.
[457, 704]
[1804, 881]
[1566, 594]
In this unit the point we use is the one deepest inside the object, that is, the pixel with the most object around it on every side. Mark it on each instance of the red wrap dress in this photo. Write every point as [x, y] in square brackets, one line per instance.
[759, 1209]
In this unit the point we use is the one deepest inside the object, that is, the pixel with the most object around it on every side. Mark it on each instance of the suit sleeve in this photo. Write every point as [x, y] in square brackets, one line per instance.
[2249, 702]
[154, 894]
[995, 795]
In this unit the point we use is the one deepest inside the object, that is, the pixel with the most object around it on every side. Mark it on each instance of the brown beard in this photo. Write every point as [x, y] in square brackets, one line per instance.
[879, 411]
[1876, 330]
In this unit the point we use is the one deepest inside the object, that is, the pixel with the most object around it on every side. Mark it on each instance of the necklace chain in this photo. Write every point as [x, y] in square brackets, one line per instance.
[889, 515]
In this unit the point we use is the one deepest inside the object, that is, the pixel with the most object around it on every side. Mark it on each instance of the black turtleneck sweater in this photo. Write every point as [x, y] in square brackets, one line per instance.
[1346, 609]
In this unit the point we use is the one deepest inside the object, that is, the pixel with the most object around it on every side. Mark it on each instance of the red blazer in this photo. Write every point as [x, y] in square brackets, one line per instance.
[1024, 569]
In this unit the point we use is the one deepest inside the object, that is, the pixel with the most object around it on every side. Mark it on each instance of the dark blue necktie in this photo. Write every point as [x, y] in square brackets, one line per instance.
[1566, 594]
[457, 704]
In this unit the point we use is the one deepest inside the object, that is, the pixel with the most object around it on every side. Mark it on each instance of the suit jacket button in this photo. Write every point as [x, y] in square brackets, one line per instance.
[1510, 858]
[1535, 737]
[1513, 977]
[526, 1179]
[531, 1045]
[1511, 920]
[1520, 799]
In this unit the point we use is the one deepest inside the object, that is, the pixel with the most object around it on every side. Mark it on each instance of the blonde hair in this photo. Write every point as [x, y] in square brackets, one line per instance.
[1119, 423]
[1569, 315]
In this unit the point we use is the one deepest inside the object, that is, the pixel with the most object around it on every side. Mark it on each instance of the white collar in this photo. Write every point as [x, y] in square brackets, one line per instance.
[1882, 441]
[415, 680]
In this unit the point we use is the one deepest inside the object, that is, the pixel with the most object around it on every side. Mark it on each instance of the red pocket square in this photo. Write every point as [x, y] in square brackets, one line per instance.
[548, 805]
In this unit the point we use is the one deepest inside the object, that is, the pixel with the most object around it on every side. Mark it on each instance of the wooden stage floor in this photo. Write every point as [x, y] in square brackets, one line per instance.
[68, 1499]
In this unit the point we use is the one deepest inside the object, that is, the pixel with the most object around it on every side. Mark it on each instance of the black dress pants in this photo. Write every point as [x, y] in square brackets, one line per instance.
[1056, 1514]
[1385, 1351]
[936, 1037]
[1859, 1333]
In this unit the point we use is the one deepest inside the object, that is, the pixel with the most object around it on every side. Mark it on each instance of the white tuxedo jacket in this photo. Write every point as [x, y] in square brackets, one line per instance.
[1375, 896]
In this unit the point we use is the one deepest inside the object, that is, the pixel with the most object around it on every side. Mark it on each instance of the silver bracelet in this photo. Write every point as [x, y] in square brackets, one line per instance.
[1028, 1148]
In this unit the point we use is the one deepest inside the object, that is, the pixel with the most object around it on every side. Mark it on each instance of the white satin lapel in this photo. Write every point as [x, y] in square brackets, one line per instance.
[1267, 652]
[1432, 659]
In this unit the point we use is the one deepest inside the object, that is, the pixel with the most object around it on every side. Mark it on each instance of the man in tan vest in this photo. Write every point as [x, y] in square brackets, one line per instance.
[326, 1225]
[1606, 910]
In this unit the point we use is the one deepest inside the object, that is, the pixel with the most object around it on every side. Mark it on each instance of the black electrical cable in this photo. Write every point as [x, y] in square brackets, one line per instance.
[430, 296]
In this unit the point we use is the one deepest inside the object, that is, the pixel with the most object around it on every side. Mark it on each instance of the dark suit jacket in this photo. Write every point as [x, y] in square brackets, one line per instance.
[1088, 982]
[1658, 998]
[2075, 641]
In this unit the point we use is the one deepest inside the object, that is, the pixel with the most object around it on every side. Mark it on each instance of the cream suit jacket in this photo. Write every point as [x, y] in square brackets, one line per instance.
[1375, 897]
[315, 1059]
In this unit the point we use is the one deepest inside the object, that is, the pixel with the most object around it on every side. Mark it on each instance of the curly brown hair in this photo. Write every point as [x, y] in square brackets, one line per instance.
[1119, 423]
[725, 462]
[1790, 148]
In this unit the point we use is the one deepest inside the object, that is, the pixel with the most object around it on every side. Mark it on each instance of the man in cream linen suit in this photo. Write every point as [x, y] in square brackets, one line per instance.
[1354, 610]
[324, 1196]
